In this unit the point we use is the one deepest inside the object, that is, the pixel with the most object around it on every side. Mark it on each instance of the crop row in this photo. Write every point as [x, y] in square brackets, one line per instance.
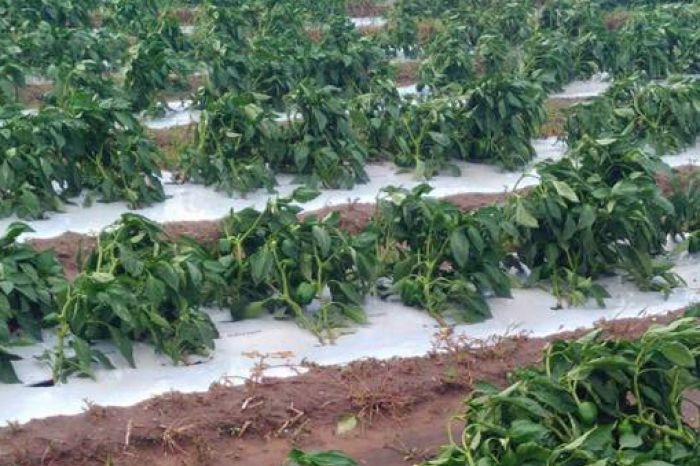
[259, 58]
[591, 401]
[73, 145]
[597, 212]
[267, 48]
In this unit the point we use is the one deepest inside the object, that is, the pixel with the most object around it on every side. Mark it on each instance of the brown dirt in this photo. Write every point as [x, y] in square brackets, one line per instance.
[556, 116]
[32, 94]
[403, 407]
[406, 72]
[365, 8]
[186, 15]
[371, 31]
[616, 19]
[427, 28]
[172, 141]
[684, 174]
[355, 216]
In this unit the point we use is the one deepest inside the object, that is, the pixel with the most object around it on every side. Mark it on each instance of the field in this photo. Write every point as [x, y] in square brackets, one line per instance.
[350, 232]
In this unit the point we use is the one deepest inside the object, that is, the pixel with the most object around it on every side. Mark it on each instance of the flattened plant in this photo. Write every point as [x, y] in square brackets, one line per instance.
[309, 270]
[325, 149]
[594, 213]
[436, 258]
[236, 143]
[592, 401]
[137, 285]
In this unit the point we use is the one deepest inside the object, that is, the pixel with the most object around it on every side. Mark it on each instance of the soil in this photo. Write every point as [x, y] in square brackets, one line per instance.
[32, 95]
[614, 20]
[71, 246]
[354, 217]
[172, 141]
[366, 8]
[406, 72]
[556, 116]
[402, 407]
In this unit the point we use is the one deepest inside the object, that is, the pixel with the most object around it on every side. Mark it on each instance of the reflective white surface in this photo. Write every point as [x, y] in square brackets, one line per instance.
[368, 21]
[412, 334]
[188, 202]
[585, 89]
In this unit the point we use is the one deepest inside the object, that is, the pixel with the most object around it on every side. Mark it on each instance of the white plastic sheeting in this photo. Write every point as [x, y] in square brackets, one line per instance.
[368, 21]
[585, 89]
[412, 334]
[181, 112]
[188, 202]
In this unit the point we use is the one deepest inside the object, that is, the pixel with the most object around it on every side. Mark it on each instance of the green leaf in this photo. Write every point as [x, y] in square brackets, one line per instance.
[305, 194]
[565, 191]
[123, 344]
[322, 239]
[678, 354]
[523, 217]
[261, 265]
[101, 277]
[460, 247]
[440, 138]
[346, 424]
[321, 458]
[7, 372]
[630, 440]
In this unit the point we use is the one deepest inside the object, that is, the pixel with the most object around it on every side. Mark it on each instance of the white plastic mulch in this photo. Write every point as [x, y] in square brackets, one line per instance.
[188, 202]
[585, 89]
[412, 333]
[368, 21]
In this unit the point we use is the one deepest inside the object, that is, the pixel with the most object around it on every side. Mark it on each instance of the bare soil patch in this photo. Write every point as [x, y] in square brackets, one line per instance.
[32, 95]
[172, 141]
[556, 116]
[354, 217]
[406, 72]
[402, 407]
[365, 8]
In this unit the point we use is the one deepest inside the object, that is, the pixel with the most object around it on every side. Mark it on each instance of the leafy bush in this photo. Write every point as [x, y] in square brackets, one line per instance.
[438, 258]
[86, 143]
[65, 14]
[46, 45]
[309, 270]
[685, 197]
[236, 141]
[429, 135]
[592, 213]
[450, 59]
[592, 401]
[665, 116]
[324, 147]
[152, 68]
[376, 117]
[29, 282]
[506, 113]
[137, 285]
[658, 41]
[549, 60]
[344, 58]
